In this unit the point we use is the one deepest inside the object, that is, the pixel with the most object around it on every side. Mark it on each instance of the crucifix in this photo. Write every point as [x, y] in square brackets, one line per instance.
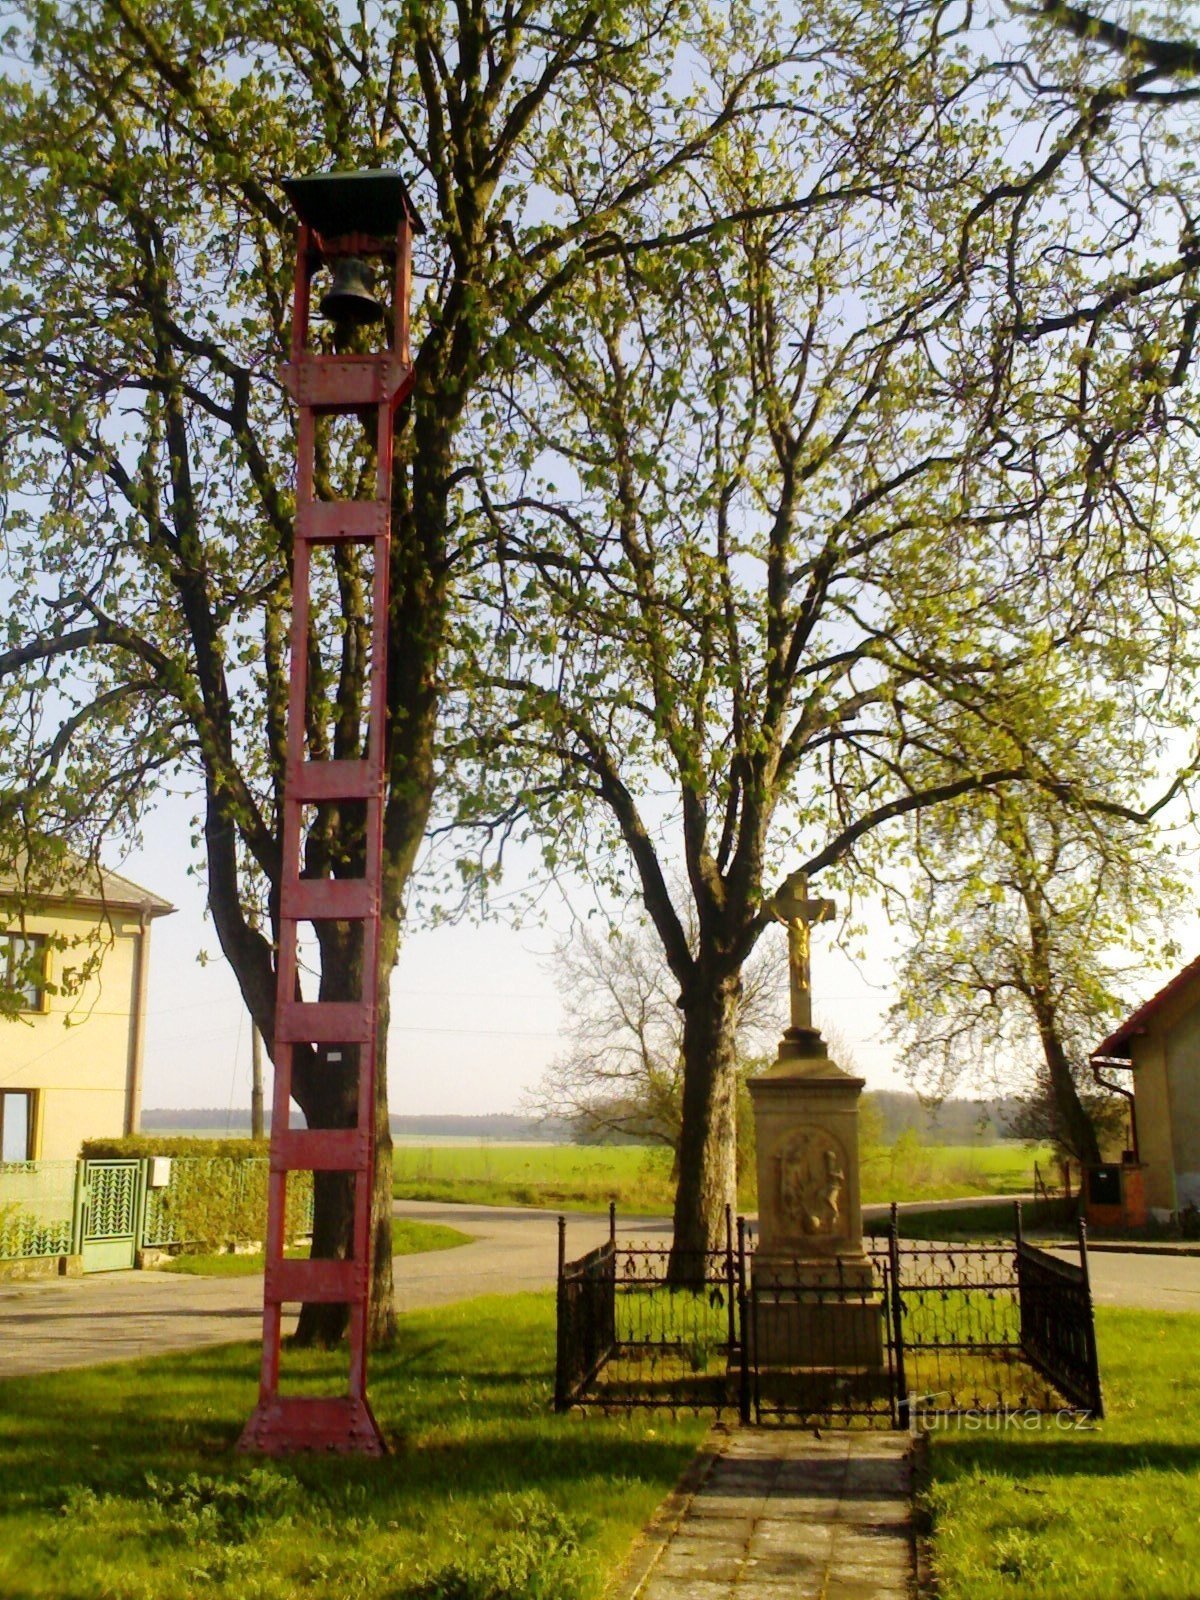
[793, 906]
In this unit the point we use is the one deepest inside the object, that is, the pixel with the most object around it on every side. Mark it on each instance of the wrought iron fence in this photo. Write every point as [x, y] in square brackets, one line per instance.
[824, 1352]
[641, 1324]
[586, 1319]
[37, 1203]
[1058, 1329]
[957, 1328]
[912, 1333]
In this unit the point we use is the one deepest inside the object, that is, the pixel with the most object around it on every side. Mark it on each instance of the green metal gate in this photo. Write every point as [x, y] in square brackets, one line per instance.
[111, 1198]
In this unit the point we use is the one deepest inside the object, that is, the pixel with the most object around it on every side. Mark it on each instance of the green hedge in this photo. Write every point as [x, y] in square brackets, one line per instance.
[217, 1195]
[153, 1144]
[219, 1201]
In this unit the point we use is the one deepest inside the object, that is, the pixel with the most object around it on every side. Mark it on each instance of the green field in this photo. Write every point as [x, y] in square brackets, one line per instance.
[587, 1177]
[408, 1239]
[1052, 1512]
[1040, 1219]
[122, 1482]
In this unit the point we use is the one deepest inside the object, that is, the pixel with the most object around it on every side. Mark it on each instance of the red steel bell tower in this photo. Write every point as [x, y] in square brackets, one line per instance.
[346, 221]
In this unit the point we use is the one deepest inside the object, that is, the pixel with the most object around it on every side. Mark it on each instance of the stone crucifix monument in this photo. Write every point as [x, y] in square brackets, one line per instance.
[816, 1297]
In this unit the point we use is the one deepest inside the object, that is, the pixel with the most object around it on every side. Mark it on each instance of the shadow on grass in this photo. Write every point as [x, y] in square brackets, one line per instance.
[465, 1409]
[1088, 1455]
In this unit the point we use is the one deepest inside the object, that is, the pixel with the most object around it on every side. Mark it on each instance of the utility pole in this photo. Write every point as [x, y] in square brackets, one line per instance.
[256, 1087]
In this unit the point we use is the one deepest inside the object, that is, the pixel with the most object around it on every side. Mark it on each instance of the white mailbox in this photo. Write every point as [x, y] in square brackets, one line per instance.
[160, 1172]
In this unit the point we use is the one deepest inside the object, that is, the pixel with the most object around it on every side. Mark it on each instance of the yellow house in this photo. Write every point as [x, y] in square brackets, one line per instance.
[73, 958]
[1161, 1042]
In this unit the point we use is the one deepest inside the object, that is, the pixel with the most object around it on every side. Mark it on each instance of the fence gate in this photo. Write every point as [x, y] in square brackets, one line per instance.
[110, 1210]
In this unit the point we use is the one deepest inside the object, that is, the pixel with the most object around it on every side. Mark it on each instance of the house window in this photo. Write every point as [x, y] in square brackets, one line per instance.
[23, 969]
[16, 1124]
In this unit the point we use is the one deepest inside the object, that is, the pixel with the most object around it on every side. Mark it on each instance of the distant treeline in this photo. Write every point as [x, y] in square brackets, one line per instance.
[892, 1111]
[498, 1126]
[952, 1122]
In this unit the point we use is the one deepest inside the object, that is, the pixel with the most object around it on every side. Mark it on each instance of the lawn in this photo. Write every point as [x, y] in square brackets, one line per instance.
[587, 1177]
[121, 1482]
[1039, 1220]
[408, 1239]
[1059, 1513]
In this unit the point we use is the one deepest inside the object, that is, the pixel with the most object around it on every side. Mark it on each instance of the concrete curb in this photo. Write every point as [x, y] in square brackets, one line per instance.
[920, 1476]
[654, 1538]
[1139, 1247]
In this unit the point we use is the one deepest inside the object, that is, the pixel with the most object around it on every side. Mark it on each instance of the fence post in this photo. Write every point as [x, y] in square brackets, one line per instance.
[744, 1348]
[560, 1370]
[1090, 1329]
[1024, 1310]
[903, 1415]
[610, 1307]
[77, 1208]
[141, 1200]
[730, 1280]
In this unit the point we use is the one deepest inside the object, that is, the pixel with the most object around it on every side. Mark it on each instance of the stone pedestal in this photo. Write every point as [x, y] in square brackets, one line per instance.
[817, 1303]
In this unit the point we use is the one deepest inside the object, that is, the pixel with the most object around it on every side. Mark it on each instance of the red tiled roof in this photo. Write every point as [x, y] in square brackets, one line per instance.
[1118, 1043]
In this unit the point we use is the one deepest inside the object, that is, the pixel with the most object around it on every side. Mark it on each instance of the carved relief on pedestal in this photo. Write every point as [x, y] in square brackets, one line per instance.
[811, 1184]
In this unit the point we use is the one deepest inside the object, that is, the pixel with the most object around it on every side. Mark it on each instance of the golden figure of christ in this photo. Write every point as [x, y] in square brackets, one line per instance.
[799, 911]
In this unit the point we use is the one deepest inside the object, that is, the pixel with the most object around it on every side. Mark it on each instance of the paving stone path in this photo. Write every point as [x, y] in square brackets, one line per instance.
[786, 1516]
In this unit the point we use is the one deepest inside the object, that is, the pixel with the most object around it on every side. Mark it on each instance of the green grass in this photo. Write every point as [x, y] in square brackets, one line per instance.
[587, 1177]
[1090, 1514]
[577, 1177]
[910, 1170]
[408, 1239]
[122, 1482]
[1040, 1221]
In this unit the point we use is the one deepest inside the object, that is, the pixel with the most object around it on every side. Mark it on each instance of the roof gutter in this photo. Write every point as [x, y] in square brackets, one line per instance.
[137, 1029]
[1096, 1062]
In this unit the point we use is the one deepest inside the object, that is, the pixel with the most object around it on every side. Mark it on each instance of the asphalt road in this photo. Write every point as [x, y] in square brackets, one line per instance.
[51, 1323]
[116, 1316]
[1143, 1281]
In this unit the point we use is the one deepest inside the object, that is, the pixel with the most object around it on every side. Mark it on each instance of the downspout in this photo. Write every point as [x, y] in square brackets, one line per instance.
[137, 1037]
[1095, 1062]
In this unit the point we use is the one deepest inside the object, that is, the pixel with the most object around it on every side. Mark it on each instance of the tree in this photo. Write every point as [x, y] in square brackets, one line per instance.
[1029, 928]
[147, 447]
[622, 1073]
[836, 524]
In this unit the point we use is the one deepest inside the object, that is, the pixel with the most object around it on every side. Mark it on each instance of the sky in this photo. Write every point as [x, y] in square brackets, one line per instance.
[476, 1016]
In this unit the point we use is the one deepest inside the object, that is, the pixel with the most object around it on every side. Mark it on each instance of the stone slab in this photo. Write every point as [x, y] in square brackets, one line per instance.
[828, 1518]
[819, 1331]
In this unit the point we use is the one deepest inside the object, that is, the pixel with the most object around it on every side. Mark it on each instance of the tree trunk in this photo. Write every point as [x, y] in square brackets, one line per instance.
[333, 1228]
[1074, 1127]
[1075, 1130]
[381, 1320]
[327, 1094]
[708, 1136]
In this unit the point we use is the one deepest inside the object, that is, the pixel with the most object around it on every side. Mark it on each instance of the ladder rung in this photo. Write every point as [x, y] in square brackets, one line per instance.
[312, 1422]
[329, 521]
[344, 383]
[332, 780]
[323, 1022]
[315, 899]
[321, 1150]
[325, 1282]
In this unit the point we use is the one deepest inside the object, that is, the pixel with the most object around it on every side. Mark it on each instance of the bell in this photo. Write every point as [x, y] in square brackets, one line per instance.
[349, 300]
